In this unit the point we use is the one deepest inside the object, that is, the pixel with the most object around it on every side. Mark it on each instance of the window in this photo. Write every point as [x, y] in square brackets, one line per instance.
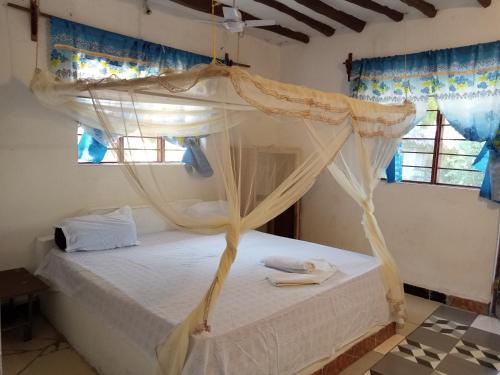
[133, 148]
[434, 152]
[140, 150]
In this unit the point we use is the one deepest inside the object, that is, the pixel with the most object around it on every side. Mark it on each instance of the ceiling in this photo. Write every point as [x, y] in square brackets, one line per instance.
[256, 8]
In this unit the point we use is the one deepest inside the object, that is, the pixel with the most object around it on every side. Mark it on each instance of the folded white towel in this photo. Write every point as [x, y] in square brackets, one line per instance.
[289, 264]
[291, 279]
[322, 272]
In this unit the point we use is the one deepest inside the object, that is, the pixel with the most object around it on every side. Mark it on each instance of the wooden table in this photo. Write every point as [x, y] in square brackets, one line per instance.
[16, 283]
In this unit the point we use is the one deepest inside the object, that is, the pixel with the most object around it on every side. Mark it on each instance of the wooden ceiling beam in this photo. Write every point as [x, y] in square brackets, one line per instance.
[205, 6]
[337, 15]
[284, 31]
[484, 3]
[319, 26]
[423, 6]
[379, 8]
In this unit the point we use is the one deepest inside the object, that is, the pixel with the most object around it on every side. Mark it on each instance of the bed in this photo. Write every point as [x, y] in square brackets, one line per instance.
[115, 306]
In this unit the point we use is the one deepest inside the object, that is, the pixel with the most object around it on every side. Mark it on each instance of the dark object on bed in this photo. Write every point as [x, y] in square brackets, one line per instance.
[60, 238]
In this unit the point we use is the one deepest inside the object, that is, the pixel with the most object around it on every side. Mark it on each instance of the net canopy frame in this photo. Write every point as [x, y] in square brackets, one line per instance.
[238, 112]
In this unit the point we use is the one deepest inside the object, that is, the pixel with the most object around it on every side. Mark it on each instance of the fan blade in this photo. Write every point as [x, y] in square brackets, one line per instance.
[259, 23]
[209, 22]
[231, 14]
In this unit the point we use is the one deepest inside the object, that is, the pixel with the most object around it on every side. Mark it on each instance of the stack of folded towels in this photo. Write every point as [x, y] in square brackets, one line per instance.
[298, 271]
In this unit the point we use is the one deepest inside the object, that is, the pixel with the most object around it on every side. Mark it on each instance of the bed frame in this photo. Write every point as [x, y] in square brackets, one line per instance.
[351, 353]
[112, 353]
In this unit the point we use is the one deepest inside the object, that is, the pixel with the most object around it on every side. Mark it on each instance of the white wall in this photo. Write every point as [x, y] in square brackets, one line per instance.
[442, 238]
[40, 181]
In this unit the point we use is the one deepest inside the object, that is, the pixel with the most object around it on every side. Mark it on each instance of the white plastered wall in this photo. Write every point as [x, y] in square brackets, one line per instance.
[442, 238]
[40, 181]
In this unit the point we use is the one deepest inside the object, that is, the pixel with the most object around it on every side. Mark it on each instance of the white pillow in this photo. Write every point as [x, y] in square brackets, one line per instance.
[100, 232]
[148, 220]
[208, 209]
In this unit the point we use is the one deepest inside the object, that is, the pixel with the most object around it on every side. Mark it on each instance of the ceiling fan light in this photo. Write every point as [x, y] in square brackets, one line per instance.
[234, 26]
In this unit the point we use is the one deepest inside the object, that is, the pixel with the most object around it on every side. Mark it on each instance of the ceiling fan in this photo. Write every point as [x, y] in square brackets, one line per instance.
[233, 20]
[234, 23]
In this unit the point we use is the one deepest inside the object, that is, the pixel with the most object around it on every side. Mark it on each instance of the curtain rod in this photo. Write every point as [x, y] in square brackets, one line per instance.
[348, 66]
[27, 10]
[46, 15]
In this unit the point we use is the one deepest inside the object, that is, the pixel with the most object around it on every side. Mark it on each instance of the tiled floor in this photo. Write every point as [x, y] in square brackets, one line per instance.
[46, 354]
[443, 344]
[418, 310]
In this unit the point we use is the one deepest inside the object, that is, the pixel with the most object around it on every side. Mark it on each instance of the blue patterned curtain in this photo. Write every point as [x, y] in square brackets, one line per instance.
[194, 159]
[93, 145]
[465, 83]
[79, 51]
[392, 80]
[467, 90]
[82, 52]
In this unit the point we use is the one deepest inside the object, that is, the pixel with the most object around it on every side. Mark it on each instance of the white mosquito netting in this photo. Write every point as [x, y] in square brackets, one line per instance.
[239, 115]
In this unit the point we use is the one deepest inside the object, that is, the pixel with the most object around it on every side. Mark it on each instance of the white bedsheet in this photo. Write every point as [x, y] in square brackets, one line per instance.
[256, 328]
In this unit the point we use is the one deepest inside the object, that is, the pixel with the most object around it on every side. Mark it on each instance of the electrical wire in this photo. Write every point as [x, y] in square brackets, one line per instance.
[214, 34]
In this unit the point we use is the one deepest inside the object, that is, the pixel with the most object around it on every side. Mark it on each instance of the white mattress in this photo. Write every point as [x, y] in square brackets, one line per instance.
[257, 328]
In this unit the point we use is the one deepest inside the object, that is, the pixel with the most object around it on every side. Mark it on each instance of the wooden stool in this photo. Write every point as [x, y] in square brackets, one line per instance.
[16, 283]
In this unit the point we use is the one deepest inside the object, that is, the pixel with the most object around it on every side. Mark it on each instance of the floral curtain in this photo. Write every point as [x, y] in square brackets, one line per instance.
[93, 145]
[194, 159]
[467, 90]
[465, 83]
[79, 52]
[390, 80]
[82, 52]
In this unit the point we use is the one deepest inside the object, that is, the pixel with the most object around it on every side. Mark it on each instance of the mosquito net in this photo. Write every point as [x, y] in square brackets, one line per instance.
[266, 142]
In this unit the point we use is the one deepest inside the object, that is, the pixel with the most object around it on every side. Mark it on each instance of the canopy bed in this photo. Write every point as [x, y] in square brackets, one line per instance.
[232, 113]
[237, 111]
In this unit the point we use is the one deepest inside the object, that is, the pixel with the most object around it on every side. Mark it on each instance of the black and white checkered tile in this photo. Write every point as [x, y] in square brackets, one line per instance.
[419, 353]
[444, 326]
[477, 354]
[445, 344]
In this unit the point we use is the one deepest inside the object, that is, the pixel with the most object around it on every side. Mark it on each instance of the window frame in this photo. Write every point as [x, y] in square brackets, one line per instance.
[161, 152]
[436, 153]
